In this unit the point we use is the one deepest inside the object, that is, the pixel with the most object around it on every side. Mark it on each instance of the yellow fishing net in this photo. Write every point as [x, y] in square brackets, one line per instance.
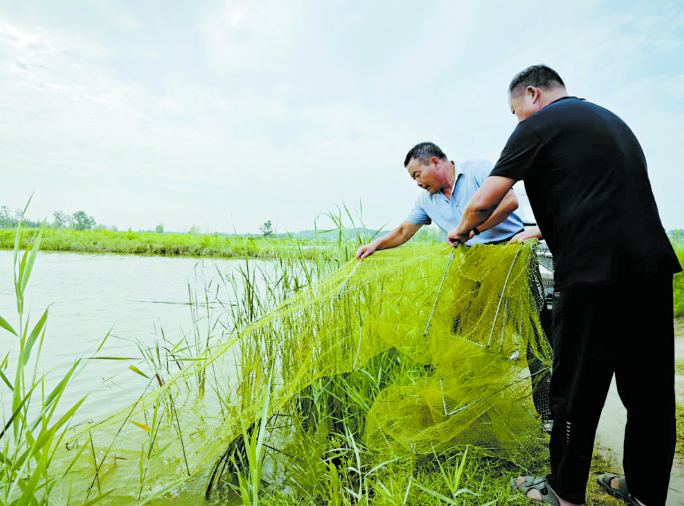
[460, 322]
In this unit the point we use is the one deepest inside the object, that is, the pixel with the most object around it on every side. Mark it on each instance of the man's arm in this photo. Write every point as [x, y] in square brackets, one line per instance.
[532, 233]
[480, 207]
[502, 212]
[392, 239]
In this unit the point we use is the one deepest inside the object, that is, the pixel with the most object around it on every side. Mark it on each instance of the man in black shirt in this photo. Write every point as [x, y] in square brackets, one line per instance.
[585, 175]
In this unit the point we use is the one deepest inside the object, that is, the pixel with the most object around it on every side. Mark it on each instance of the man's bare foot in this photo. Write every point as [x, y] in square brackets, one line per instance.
[536, 495]
[615, 484]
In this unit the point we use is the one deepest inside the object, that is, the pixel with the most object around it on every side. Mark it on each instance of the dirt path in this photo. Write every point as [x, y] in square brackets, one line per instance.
[611, 429]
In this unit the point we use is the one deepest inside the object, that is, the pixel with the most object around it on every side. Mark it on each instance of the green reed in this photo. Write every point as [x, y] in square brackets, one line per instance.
[36, 423]
[314, 444]
[678, 279]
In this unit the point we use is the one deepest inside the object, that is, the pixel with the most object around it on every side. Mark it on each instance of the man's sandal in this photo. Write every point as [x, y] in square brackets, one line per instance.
[621, 493]
[536, 483]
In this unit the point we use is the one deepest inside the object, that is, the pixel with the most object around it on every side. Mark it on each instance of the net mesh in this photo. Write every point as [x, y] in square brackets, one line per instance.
[460, 322]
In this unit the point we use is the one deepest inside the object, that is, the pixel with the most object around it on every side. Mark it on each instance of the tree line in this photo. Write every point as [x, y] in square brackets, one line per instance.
[80, 220]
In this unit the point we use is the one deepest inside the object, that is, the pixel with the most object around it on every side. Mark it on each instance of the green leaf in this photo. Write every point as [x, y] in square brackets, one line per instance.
[17, 280]
[68, 415]
[22, 269]
[17, 243]
[459, 471]
[136, 370]
[26, 354]
[7, 326]
[44, 440]
[436, 494]
[32, 257]
[17, 409]
[144, 427]
[113, 358]
[162, 451]
[154, 423]
[57, 391]
[5, 460]
[29, 491]
[7, 382]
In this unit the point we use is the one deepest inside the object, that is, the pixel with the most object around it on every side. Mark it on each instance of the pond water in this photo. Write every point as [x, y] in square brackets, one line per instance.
[131, 298]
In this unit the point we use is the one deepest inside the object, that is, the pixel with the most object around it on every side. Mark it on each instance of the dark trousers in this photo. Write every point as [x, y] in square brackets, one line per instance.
[624, 329]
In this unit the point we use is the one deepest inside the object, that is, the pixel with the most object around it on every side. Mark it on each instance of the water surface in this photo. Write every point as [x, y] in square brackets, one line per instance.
[131, 298]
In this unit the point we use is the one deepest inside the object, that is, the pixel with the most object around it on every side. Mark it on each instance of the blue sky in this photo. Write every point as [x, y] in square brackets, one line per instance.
[225, 114]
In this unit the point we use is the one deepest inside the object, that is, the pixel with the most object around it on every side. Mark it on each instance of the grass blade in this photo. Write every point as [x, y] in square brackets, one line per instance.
[26, 354]
[144, 427]
[7, 326]
[17, 410]
[138, 371]
[32, 257]
[436, 494]
[7, 381]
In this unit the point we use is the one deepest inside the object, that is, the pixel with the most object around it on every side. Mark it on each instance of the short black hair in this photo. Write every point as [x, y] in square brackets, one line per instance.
[539, 76]
[423, 152]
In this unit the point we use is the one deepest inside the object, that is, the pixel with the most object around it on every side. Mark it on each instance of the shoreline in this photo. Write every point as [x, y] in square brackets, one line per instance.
[167, 245]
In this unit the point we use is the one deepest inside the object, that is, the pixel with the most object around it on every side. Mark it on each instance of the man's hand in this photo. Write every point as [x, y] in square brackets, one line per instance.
[532, 233]
[458, 236]
[365, 251]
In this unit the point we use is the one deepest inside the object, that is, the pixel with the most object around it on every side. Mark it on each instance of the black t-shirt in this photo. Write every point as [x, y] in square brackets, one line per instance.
[585, 175]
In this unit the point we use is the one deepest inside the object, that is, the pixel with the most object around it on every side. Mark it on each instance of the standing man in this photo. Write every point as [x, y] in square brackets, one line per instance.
[448, 186]
[585, 175]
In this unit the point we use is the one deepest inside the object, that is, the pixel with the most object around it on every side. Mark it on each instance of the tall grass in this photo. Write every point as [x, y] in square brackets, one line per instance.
[678, 279]
[35, 423]
[313, 448]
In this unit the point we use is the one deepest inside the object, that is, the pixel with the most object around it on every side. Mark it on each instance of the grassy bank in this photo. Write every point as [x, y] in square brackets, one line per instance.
[678, 280]
[150, 243]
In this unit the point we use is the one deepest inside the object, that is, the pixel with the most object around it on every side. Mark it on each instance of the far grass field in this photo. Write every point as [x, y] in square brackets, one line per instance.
[151, 243]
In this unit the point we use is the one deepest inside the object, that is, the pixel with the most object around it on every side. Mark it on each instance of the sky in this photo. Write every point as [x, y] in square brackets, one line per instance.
[221, 115]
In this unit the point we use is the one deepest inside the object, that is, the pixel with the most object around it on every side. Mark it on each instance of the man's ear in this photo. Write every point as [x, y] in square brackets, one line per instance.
[533, 92]
[434, 161]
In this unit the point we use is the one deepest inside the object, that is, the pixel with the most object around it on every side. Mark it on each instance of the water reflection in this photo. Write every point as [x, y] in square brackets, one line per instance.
[131, 298]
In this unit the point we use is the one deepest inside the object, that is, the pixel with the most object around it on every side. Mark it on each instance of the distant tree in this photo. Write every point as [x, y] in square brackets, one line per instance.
[61, 219]
[194, 230]
[81, 221]
[9, 219]
[6, 218]
[267, 229]
[159, 228]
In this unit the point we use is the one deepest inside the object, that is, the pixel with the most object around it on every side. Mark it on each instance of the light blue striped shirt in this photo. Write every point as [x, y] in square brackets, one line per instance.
[447, 213]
